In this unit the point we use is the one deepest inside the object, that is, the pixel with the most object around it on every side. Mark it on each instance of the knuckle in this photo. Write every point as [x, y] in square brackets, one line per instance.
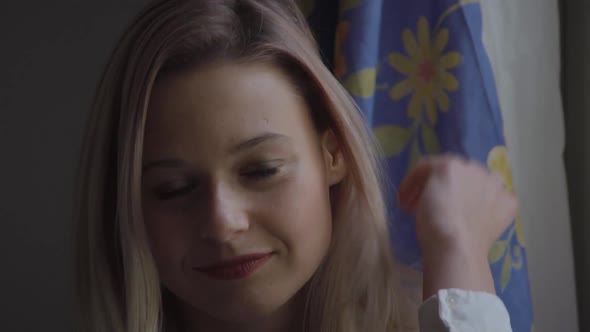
[456, 164]
[511, 206]
[497, 178]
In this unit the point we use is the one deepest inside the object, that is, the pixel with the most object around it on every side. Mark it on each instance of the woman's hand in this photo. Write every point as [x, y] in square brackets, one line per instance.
[461, 209]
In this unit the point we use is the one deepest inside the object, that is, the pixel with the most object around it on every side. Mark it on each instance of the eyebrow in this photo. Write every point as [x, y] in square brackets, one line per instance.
[245, 145]
[164, 163]
[258, 140]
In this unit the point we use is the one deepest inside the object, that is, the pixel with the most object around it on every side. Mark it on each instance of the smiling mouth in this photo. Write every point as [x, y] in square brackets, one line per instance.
[237, 268]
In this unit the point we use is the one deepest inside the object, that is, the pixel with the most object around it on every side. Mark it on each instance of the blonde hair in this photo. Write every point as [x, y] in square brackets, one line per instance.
[117, 282]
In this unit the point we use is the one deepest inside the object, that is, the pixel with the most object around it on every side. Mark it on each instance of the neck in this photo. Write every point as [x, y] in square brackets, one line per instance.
[287, 318]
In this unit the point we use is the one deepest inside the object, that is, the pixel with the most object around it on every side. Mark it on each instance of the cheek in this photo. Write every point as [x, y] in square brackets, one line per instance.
[169, 238]
[302, 215]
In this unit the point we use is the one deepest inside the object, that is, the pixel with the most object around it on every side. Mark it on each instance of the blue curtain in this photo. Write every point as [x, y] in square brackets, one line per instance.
[420, 74]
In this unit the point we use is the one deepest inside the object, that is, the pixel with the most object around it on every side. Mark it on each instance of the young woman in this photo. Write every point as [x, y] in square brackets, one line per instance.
[229, 183]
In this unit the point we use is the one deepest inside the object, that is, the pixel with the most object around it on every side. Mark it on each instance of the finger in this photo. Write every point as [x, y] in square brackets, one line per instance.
[409, 202]
[417, 174]
[454, 156]
[413, 184]
[510, 204]
[498, 179]
[507, 208]
[507, 200]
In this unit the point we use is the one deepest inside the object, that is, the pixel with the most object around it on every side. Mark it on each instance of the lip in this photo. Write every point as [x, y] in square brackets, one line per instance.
[236, 268]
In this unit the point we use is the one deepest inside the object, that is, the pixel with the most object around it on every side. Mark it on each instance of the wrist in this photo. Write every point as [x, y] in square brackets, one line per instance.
[453, 265]
[456, 245]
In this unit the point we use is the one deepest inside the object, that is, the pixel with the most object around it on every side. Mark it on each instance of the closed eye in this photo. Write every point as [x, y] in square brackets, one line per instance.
[170, 193]
[261, 173]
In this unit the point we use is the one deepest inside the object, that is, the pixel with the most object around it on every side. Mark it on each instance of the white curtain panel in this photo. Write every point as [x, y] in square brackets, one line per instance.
[522, 40]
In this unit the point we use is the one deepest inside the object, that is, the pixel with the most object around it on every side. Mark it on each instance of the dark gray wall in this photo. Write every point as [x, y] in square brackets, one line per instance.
[51, 56]
[576, 88]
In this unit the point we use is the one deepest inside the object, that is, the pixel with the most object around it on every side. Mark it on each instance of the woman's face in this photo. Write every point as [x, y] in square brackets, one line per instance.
[235, 189]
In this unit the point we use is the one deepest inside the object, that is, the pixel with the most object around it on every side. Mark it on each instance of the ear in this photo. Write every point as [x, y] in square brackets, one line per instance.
[333, 158]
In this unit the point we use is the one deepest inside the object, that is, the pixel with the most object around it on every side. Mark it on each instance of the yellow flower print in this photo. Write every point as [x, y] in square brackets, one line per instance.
[518, 228]
[499, 163]
[426, 68]
[339, 60]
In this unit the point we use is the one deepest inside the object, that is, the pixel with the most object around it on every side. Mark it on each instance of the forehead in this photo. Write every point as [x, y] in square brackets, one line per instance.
[220, 105]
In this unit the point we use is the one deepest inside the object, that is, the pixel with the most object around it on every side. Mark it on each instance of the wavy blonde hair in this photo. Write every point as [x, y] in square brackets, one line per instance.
[117, 282]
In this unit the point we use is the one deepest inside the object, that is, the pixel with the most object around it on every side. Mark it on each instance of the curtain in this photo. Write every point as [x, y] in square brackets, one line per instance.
[522, 39]
[420, 74]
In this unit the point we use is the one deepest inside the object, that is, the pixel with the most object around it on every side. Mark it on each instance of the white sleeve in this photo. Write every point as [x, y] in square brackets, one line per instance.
[456, 310]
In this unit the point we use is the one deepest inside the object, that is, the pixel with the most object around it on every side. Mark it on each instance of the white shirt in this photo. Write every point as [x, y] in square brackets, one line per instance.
[457, 310]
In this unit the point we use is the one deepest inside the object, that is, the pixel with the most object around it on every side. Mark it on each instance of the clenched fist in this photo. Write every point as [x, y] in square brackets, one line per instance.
[461, 209]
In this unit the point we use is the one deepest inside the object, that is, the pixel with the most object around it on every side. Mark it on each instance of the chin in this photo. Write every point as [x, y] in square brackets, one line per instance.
[238, 304]
[248, 313]
[244, 310]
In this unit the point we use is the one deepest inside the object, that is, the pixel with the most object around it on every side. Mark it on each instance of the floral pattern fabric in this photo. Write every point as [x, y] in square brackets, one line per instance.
[420, 74]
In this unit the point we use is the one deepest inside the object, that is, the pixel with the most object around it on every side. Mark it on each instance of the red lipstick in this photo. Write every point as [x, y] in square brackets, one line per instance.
[236, 268]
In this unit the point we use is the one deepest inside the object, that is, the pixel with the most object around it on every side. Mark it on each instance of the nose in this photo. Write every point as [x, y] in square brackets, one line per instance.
[227, 216]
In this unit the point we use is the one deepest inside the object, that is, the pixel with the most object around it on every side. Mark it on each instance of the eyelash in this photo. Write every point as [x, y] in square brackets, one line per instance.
[164, 195]
[262, 173]
[257, 175]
